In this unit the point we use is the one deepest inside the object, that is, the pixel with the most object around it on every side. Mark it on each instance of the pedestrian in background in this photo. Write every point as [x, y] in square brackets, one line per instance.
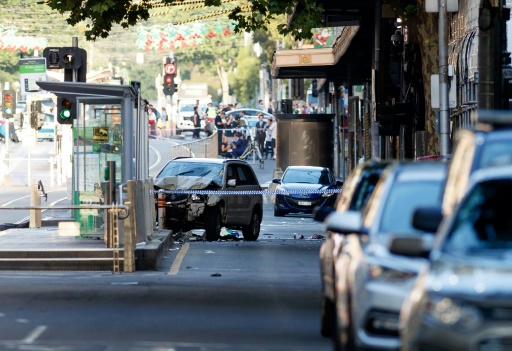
[238, 145]
[220, 124]
[163, 120]
[273, 136]
[261, 133]
[152, 123]
[260, 106]
[269, 151]
[270, 108]
[197, 123]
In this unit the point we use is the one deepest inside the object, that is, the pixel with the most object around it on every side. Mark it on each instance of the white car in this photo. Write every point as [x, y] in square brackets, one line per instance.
[463, 299]
[370, 282]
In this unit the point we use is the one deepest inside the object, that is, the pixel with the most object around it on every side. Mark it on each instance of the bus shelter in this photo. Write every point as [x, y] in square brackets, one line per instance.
[110, 129]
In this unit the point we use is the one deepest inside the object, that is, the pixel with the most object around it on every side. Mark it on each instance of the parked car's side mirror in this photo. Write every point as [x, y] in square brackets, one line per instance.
[231, 182]
[347, 222]
[412, 246]
[339, 183]
[276, 180]
[427, 219]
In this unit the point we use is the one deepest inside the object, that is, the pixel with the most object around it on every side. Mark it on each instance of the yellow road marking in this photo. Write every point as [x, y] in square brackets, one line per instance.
[175, 267]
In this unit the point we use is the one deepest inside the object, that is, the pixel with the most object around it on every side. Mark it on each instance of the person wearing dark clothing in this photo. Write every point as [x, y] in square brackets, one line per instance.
[220, 124]
[261, 133]
[225, 149]
[238, 145]
[197, 123]
[231, 125]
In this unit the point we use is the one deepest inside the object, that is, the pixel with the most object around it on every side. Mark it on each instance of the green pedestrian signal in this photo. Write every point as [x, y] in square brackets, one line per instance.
[66, 110]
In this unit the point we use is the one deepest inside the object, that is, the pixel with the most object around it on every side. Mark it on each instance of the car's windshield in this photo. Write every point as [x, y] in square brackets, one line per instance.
[193, 169]
[495, 153]
[364, 190]
[307, 176]
[403, 198]
[483, 221]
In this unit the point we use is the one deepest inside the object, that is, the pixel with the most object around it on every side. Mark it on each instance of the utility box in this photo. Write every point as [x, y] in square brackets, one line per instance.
[305, 140]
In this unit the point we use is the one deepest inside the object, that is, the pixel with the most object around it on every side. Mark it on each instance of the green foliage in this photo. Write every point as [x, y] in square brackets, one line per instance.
[101, 15]
[245, 80]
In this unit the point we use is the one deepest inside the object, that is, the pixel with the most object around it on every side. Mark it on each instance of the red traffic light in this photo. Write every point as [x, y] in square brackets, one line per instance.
[8, 97]
[168, 79]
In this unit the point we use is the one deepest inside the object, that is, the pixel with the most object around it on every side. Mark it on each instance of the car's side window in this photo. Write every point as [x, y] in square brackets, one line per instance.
[242, 176]
[231, 173]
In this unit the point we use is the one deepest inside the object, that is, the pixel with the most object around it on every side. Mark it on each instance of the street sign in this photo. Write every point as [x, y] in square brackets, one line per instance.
[170, 68]
[32, 70]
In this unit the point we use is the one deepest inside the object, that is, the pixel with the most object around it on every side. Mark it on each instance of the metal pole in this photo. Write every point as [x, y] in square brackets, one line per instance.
[444, 115]
[375, 140]
[336, 112]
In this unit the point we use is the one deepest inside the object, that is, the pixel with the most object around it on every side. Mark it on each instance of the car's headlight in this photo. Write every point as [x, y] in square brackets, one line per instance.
[383, 273]
[197, 198]
[450, 313]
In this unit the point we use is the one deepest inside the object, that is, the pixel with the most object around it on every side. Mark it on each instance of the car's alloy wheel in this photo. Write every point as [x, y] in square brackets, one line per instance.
[251, 232]
[212, 224]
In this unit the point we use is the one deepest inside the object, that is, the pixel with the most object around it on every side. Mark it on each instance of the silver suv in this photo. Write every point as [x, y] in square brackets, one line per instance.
[211, 211]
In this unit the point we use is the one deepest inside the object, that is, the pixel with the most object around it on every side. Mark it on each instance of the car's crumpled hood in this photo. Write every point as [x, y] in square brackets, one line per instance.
[182, 182]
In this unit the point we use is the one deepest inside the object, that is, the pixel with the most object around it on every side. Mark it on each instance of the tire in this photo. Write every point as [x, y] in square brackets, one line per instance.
[344, 342]
[212, 224]
[327, 317]
[278, 213]
[251, 232]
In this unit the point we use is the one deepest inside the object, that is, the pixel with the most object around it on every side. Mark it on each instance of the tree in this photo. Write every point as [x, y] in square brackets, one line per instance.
[245, 79]
[101, 15]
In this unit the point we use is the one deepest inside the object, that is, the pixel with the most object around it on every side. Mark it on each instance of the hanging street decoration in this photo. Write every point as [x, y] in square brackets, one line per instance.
[172, 37]
[10, 40]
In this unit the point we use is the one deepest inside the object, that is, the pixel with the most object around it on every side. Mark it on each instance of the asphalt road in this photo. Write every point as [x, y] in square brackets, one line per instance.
[226, 295]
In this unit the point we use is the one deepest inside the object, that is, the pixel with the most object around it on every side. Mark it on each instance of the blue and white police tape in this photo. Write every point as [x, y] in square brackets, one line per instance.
[248, 192]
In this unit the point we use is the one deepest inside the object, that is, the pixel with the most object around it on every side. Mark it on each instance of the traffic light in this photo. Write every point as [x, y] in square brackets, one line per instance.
[66, 110]
[36, 117]
[169, 84]
[8, 103]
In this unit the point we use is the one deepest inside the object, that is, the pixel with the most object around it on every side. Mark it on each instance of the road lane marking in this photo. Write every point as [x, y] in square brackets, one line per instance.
[34, 334]
[176, 264]
[158, 158]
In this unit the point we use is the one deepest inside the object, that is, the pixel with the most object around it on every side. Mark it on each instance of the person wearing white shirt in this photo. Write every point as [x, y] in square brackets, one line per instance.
[272, 129]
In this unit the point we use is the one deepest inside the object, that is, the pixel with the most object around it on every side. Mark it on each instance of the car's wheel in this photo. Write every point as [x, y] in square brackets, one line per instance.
[212, 224]
[327, 317]
[344, 338]
[278, 213]
[251, 232]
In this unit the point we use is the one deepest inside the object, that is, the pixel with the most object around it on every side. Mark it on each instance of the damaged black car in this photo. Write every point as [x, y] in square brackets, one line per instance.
[228, 196]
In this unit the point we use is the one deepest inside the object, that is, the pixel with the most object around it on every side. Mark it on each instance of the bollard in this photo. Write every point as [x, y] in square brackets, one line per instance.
[161, 210]
[35, 200]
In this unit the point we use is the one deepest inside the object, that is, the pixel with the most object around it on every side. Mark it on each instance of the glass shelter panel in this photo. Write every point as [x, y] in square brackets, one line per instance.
[98, 138]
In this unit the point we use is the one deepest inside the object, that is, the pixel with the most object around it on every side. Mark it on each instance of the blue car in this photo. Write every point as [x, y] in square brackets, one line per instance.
[303, 188]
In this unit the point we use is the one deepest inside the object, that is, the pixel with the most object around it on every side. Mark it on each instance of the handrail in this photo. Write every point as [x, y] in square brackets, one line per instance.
[123, 208]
